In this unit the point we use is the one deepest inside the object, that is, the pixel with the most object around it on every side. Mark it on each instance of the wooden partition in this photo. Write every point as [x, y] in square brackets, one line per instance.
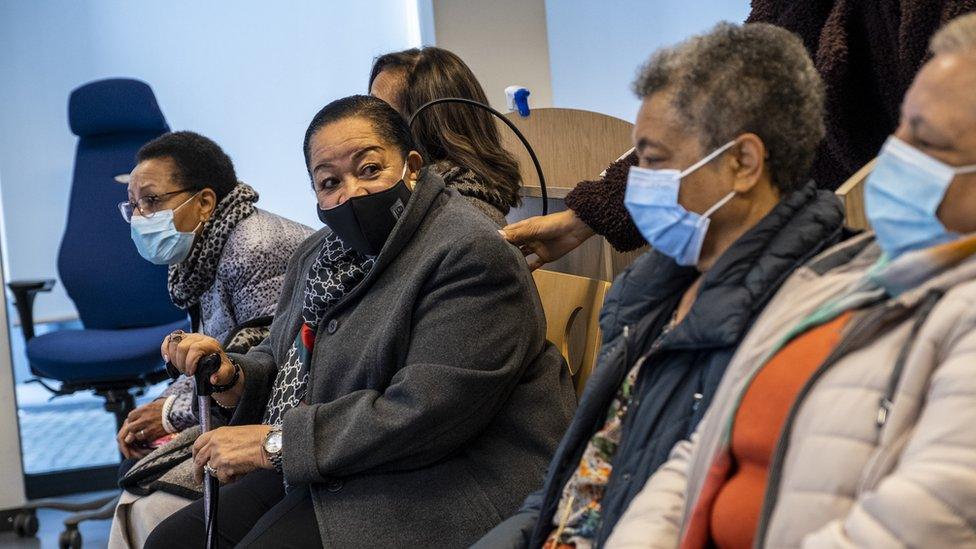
[572, 146]
[572, 305]
[852, 193]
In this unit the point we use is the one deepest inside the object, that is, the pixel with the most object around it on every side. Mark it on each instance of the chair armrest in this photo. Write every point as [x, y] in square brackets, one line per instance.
[24, 293]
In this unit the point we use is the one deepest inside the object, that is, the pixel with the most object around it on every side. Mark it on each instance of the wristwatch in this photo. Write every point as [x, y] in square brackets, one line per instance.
[272, 447]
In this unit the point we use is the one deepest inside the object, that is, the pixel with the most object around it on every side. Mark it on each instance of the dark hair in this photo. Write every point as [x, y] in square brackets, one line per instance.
[386, 121]
[463, 135]
[200, 163]
[745, 78]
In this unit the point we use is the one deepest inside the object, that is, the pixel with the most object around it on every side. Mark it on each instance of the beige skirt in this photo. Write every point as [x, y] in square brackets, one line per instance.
[137, 516]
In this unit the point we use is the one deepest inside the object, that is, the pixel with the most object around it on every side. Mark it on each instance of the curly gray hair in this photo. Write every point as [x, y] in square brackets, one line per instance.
[957, 36]
[737, 79]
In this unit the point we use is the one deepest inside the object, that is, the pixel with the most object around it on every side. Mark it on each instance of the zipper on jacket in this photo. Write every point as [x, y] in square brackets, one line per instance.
[626, 347]
[857, 337]
[887, 400]
[543, 526]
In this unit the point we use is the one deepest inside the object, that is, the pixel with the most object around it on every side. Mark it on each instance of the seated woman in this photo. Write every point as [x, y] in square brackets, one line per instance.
[722, 196]
[227, 261]
[847, 417]
[407, 393]
[462, 143]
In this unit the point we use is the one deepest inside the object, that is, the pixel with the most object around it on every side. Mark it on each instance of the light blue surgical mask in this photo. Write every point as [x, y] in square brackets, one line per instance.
[903, 194]
[157, 238]
[652, 200]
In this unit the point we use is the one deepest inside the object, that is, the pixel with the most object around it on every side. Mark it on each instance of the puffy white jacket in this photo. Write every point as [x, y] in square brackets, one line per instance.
[847, 474]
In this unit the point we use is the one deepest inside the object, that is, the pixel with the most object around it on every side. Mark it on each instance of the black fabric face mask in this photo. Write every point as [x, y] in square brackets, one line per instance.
[364, 223]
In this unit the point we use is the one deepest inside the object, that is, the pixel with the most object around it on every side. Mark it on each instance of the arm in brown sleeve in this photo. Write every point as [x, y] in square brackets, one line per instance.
[600, 204]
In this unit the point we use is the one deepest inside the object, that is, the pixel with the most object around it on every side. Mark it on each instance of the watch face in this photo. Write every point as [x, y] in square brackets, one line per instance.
[273, 444]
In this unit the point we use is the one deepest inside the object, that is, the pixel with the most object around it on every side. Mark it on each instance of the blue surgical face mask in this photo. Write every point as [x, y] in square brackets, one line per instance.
[903, 194]
[158, 240]
[652, 200]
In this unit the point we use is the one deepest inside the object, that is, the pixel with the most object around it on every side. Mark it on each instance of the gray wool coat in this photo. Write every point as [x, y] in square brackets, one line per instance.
[434, 399]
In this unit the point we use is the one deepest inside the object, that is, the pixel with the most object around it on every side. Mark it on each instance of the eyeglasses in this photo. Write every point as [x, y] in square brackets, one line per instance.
[146, 205]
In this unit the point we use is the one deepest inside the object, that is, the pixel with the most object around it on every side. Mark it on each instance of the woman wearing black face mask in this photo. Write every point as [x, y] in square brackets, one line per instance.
[407, 391]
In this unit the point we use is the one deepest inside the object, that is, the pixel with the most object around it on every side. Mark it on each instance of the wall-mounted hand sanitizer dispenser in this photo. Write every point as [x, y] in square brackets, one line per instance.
[518, 99]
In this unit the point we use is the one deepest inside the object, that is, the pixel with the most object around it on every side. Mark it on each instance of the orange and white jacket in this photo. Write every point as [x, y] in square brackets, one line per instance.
[850, 470]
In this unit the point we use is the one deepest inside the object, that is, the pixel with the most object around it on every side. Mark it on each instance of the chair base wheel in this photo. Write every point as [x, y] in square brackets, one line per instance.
[25, 524]
[70, 539]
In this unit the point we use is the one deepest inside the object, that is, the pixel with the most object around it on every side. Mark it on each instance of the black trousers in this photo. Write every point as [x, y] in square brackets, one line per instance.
[253, 512]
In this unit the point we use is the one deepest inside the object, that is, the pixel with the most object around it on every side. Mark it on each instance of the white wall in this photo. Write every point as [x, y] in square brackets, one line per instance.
[595, 48]
[503, 41]
[248, 73]
[251, 73]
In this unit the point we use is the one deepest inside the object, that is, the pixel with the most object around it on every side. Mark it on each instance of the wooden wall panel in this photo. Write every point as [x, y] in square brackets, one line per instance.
[572, 146]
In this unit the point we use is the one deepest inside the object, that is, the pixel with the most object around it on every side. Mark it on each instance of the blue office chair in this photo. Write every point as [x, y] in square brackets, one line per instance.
[121, 298]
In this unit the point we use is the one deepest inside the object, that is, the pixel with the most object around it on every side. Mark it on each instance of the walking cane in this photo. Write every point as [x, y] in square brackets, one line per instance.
[206, 367]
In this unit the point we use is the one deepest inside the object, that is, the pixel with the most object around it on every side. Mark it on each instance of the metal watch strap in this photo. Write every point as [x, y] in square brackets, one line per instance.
[274, 458]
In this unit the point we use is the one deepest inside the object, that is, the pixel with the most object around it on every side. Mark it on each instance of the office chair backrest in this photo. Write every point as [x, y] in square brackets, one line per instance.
[572, 305]
[852, 193]
[111, 285]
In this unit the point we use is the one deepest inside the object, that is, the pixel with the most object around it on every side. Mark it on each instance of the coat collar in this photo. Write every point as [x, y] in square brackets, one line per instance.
[428, 189]
[749, 273]
[942, 282]
[909, 278]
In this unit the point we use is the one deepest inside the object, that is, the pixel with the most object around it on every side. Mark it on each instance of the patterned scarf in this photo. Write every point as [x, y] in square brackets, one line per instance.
[890, 278]
[333, 274]
[193, 276]
[914, 268]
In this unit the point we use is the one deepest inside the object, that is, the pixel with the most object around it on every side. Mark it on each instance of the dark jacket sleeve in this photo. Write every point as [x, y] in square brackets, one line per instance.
[259, 369]
[600, 204]
[457, 374]
[516, 531]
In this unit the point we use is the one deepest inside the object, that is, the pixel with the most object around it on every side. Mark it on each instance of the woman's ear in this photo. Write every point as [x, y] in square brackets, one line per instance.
[207, 199]
[414, 163]
[748, 162]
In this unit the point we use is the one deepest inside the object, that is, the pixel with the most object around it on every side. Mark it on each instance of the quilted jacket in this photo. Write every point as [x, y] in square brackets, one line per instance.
[879, 449]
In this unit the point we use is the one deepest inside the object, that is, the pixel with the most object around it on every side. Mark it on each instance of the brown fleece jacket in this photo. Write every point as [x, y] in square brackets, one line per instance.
[867, 52]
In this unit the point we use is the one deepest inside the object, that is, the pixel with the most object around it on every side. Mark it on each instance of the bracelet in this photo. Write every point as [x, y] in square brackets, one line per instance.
[232, 382]
[167, 408]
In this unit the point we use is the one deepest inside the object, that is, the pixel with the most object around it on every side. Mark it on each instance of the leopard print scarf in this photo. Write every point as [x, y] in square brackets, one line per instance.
[193, 276]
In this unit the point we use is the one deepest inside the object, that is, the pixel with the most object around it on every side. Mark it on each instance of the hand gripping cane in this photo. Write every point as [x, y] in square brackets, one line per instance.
[206, 367]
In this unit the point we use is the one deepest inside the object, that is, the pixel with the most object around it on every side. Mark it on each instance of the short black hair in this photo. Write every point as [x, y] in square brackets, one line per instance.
[200, 163]
[387, 122]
